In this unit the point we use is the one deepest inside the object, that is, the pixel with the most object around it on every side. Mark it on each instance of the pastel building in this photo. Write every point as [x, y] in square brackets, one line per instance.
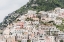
[50, 39]
[6, 32]
[2, 39]
[22, 18]
[49, 30]
[10, 39]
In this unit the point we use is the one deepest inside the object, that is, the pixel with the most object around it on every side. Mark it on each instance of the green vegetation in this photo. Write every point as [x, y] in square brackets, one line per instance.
[29, 40]
[39, 16]
[8, 20]
[60, 27]
[61, 40]
[19, 41]
[29, 19]
[42, 5]
[51, 22]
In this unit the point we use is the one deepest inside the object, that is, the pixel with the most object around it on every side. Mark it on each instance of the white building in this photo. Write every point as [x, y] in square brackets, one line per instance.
[22, 18]
[24, 40]
[61, 33]
[52, 16]
[31, 12]
[58, 22]
[50, 39]
[57, 10]
[36, 21]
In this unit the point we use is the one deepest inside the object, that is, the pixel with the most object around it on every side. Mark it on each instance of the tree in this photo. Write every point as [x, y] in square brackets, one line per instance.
[28, 40]
[51, 22]
[19, 41]
[29, 19]
[61, 40]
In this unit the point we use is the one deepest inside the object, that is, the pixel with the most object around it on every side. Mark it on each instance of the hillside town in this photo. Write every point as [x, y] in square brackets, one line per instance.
[36, 26]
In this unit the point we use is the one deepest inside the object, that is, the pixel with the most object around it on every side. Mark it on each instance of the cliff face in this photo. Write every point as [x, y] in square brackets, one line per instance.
[37, 5]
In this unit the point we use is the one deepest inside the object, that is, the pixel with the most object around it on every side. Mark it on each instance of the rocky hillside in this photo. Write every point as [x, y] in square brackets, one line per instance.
[37, 5]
